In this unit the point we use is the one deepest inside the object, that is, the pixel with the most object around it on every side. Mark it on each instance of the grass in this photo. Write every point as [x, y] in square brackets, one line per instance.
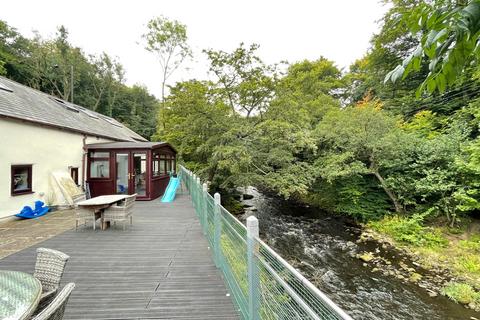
[462, 293]
[453, 249]
[409, 231]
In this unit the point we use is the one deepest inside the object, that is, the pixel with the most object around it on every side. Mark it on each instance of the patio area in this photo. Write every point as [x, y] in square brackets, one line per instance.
[159, 268]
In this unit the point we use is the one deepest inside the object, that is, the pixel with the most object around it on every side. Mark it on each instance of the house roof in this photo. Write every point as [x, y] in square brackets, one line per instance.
[24, 103]
[129, 145]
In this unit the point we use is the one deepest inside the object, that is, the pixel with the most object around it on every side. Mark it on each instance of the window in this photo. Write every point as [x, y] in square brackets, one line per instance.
[5, 88]
[21, 179]
[112, 121]
[163, 164]
[65, 104]
[156, 165]
[74, 174]
[89, 113]
[99, 164]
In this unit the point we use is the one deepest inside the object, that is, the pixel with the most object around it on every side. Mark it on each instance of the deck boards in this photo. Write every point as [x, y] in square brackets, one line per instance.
[160, 268]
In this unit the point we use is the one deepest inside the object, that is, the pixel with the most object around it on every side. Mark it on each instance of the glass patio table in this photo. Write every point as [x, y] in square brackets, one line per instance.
[19, 295]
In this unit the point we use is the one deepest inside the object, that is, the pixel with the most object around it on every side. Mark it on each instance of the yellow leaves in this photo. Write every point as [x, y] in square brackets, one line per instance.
[369, 101]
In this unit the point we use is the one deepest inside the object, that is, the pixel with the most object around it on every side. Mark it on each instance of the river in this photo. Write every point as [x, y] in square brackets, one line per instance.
[324, 248]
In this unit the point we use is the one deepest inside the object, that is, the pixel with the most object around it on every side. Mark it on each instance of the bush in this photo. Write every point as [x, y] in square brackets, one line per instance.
[469, 262]
[462, 293]
[409, 230]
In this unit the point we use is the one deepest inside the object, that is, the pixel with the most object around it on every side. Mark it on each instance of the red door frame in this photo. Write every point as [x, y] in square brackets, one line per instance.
[131, 187]
[131, 172]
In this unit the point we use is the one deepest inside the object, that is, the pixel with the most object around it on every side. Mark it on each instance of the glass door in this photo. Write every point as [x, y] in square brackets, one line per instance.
[139, 172]
[122, 173]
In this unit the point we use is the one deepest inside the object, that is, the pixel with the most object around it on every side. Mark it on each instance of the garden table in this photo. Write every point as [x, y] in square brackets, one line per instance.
[98, 204]
[19, 295]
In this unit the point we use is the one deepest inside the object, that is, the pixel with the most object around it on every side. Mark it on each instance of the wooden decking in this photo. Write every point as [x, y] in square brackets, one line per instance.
[160, 268]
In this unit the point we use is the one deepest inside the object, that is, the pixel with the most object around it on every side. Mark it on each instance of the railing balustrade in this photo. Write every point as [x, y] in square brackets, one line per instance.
[263, 285]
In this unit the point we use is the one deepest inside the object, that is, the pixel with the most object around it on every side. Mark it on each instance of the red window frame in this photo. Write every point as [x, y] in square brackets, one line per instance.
[29, 179]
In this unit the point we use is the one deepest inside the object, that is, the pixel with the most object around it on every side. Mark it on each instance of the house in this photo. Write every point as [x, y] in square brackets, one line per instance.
[42, 135]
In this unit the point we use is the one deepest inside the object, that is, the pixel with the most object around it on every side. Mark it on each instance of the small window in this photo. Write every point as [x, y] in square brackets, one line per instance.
[74, 174]
[89, 113]
[21, 179]
[99, 168]
[5, 88]
[156, 165]
[65, 104]
[113, 122]
[98, 154]
[100, 164]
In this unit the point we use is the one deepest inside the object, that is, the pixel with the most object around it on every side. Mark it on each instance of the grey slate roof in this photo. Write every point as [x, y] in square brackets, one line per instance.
[128, 145]
[28, 104]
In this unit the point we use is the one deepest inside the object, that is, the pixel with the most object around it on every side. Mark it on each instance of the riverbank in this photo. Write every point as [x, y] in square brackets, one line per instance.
[445, 260]
[326, 248]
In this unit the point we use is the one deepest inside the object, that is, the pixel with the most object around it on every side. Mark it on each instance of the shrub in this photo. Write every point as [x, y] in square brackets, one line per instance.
[409, 230]
[461, 292]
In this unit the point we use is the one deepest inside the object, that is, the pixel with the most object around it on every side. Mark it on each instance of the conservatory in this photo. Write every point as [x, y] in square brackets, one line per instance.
[143, 168]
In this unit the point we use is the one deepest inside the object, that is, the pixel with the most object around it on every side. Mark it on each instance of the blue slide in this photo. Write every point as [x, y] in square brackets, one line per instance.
[171, 190]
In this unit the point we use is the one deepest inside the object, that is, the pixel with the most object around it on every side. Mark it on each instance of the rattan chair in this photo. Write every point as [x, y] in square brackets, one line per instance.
[120, 212]
[56, 309]
[82, 214]
[49, 269]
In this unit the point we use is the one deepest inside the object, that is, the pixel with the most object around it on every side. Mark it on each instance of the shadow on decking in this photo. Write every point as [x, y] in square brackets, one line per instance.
[159, 268]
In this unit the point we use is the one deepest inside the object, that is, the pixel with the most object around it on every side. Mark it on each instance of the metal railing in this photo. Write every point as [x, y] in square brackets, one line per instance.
[263, 285]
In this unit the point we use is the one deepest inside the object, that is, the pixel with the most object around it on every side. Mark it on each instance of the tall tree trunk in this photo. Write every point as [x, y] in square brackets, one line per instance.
[396, 203]
[390, 194]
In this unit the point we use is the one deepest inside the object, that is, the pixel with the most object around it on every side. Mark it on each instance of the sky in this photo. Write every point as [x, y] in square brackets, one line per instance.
[339, 30]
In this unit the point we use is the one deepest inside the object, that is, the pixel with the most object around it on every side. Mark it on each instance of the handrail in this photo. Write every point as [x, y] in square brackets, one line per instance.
[305, 281]
[262, 283]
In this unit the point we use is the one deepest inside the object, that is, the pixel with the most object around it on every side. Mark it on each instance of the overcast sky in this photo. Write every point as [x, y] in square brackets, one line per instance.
[286, 30]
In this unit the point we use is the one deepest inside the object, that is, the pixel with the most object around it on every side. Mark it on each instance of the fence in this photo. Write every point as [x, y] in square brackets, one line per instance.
[262, 284]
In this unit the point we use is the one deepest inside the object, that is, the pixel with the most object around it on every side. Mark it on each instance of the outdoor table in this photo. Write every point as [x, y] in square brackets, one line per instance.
[19, 295]
[100, 203]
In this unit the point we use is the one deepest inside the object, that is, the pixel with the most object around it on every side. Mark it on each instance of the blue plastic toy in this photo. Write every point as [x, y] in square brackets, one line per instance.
[29, 213]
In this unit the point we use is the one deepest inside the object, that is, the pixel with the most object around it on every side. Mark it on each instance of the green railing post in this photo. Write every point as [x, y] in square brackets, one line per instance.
[218, 229]
[198, 189]
[194, 192]
[204, 208]
[253, 280]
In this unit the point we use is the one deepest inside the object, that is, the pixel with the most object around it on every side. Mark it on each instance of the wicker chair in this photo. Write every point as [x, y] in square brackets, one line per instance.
[49, 269]
[82, 214]
[56, 308]
[120, 212]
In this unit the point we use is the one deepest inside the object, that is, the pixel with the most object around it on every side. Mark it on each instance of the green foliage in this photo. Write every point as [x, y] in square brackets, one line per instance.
[245, 82]
[409, 230]
[359, 141]
[462, 293]
[167, 39]
[469, 263]
[448, 32]
[98, 81]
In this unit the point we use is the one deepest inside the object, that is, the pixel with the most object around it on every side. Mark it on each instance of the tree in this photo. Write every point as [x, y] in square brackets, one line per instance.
[246, 82]
[448, 33]
[14, 53]
[167, 39]
[136, 108]
[107, 75]
[195, 120]
[359, 141]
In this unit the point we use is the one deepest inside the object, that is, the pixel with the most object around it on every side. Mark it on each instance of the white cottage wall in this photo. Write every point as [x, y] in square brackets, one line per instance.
[46, 149]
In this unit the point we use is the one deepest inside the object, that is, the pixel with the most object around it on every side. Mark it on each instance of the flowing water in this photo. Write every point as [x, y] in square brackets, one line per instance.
[324, 249]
